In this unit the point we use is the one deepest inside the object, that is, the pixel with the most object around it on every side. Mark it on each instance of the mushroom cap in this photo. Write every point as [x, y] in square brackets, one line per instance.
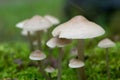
[37, 55]
[21, 24]
[78, 28]
[49, 69]
[58, 42]
[25, 33]
[75, 63]
[37, 23]
[52, 19]
[106, 43]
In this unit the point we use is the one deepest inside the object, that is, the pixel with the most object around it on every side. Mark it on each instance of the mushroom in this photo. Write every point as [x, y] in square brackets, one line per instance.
[106, 43]
[37, 24]
[52, 19]
[57, 42]
[78, 28]
[49, 70]
[39, 56]
[75, 63]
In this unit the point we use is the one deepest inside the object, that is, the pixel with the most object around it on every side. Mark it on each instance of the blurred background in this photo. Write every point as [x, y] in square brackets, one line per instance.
[14, 11]
[104, 12]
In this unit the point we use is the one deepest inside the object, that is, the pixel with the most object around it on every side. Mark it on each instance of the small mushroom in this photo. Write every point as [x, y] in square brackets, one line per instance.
[49, 69]
[58, 42]
[75, 63]
[106, 43]
[37, 55]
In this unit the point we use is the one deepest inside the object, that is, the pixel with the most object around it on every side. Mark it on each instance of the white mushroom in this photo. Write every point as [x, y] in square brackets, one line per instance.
[78, 28]
[106, 43]
[37, 23]
[75, 63]
[59, 42]
[37, 55]
[49, 69]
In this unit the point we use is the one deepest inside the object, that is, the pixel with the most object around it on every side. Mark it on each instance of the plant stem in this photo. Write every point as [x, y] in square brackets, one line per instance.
[42, 71]
[81, 57]
[107, 64]
[38, 39]
[30, 41]
[60, 64]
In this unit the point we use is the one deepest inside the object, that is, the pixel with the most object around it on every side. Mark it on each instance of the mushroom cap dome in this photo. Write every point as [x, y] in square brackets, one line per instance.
[78, 28]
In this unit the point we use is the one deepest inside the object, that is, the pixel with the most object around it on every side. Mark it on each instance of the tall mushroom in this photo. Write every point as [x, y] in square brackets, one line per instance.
[58, 42]
[37, 24]
[106, 43]
[49, 70]
[76, 63]
[78, 28]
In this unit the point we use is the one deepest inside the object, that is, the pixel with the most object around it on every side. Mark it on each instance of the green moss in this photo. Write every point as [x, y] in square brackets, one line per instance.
[95, 63]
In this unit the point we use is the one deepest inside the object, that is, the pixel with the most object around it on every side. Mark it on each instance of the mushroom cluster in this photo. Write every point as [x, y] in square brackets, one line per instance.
[78, 28]
[36, 25]
[106, 43]
[33, 29]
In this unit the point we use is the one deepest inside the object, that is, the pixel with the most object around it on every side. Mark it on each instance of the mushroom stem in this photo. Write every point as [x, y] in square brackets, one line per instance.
[38, 39]
[42, 71]
[107, 64]
[30, 41]
[81, 57]
[78, 74]
[60, 64]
